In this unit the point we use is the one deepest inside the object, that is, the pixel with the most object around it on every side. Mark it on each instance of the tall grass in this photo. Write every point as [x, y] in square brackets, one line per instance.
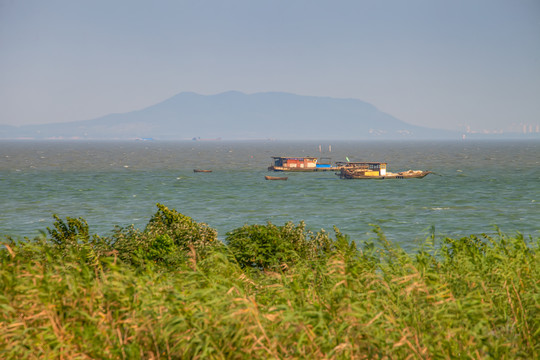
[273, 292]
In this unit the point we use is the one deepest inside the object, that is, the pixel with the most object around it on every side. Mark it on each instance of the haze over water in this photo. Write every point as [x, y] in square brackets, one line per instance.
[476, 186]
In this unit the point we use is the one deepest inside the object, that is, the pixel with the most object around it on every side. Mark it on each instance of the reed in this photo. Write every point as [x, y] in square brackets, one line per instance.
[69, 295]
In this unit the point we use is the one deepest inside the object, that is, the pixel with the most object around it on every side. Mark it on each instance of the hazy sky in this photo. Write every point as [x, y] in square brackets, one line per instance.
[433, 63]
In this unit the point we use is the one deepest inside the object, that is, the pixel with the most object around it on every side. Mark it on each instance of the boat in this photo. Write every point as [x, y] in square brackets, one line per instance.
[376, 170]
[200, 170]
[276, 177]
[301, 164]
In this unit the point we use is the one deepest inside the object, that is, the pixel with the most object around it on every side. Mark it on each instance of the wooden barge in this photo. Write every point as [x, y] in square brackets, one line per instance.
[375, 170]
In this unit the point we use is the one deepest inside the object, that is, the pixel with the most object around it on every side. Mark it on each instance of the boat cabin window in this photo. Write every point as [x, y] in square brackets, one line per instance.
[325, 161]
[278, 161]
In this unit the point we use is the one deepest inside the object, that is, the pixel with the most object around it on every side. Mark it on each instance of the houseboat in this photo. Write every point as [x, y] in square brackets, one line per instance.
[305, 164]
[374, 170]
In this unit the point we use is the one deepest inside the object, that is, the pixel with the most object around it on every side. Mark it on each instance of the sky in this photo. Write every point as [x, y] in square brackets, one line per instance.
[440, 64]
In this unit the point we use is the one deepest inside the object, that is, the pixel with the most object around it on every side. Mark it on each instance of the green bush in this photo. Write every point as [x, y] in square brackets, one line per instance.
[168, 239]
[72, 238]
[269, 246]
[183, 230]
[70, 233]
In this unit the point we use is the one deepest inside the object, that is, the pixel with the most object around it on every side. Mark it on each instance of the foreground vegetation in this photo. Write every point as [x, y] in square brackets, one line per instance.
[173, 291]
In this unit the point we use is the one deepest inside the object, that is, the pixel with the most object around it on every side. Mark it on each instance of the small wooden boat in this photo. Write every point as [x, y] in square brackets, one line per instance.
[199, 170]
[276, 177]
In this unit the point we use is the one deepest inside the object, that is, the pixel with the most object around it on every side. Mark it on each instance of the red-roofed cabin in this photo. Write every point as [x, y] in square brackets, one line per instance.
[293, 163]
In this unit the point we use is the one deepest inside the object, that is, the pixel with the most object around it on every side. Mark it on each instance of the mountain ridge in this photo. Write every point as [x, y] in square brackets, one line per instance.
[234, 115]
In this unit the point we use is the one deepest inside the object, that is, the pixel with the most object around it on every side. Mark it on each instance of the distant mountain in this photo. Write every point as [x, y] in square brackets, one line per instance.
[234, 115]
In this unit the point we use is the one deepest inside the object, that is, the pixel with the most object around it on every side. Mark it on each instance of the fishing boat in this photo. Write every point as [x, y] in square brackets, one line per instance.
[276, 177]
[301, 164]
[202, 171]
[375, 170]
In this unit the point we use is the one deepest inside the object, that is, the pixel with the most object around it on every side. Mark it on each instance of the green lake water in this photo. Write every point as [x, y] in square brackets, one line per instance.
[476, 186]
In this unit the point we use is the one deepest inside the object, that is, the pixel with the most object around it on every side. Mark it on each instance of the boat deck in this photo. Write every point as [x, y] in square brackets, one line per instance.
[410, 174]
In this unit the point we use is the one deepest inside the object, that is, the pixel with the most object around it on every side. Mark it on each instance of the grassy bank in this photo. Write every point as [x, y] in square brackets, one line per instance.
[173, 291]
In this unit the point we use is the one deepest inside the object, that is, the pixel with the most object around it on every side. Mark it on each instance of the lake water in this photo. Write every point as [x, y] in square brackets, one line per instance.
[476, 186]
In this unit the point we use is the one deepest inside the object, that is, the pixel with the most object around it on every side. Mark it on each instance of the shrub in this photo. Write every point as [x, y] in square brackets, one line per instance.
[168, 239]
[72, 239]
[182, 229]
[270, 246]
